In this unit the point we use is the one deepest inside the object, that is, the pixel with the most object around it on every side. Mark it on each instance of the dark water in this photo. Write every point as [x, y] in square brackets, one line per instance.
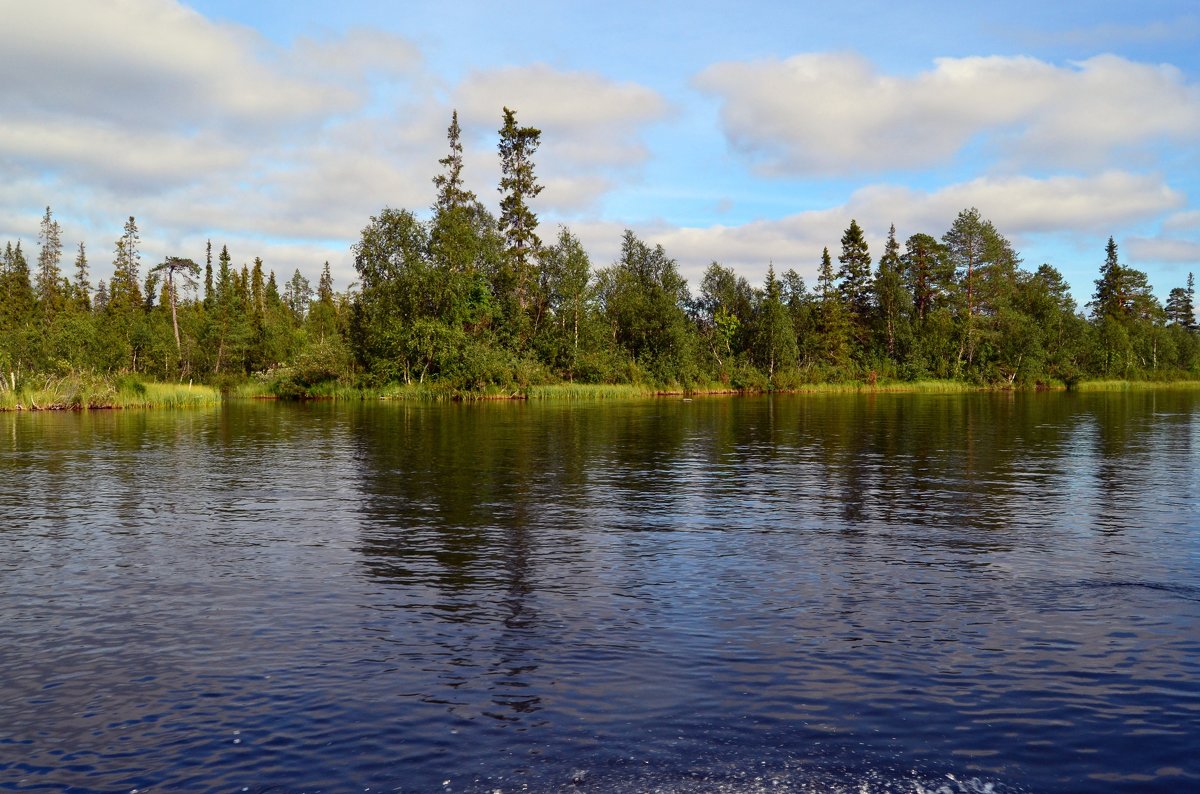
[804, 594]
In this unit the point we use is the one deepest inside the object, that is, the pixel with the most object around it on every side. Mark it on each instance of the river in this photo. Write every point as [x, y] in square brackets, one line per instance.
[844, 593]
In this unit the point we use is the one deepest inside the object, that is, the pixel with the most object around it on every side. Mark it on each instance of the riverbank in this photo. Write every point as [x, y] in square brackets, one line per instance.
[98, 392]
[583, 392]
[102, 392]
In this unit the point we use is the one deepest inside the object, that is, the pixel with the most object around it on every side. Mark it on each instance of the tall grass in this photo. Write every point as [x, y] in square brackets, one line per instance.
[899, 386]
[1135, 385]
[589, 391]
[85, 392]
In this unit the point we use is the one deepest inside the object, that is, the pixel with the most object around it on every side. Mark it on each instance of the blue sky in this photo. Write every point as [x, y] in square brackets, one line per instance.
[746, 133]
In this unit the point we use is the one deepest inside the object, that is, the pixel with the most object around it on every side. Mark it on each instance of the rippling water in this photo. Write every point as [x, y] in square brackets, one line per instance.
[983, 593]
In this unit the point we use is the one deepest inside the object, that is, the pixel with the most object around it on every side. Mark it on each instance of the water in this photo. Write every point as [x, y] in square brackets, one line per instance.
[982, 593]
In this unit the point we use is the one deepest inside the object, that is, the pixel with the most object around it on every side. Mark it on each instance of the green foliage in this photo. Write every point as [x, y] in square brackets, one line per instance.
[464, 305]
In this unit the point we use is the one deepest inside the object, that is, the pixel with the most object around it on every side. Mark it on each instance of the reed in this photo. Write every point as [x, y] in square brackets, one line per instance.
[1136, 385]
[589, 391]
[87, 392]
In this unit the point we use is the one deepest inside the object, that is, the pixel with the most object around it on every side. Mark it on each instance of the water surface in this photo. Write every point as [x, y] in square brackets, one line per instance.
[890, 593]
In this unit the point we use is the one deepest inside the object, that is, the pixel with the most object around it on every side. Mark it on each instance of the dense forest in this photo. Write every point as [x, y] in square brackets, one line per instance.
[472, 302]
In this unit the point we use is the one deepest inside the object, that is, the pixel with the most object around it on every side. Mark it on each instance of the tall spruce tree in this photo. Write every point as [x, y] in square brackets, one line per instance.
[855, 273]
[452, 194]
[833, 324]
[82, 288]
[124, 288]
[518, 185]
[49, 272]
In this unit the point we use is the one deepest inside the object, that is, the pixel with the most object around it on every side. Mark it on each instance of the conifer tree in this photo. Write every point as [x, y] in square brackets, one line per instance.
[776, 339]
[833, 324]
[208, 275]
[1181, 307]
[17, 298]
[184, 269]
[452, 194]
[83, 285]
[518, 184]
[101, 302]
[855, 273]
[124, 289]
[49, 275]
[927, 273]
[891, 253]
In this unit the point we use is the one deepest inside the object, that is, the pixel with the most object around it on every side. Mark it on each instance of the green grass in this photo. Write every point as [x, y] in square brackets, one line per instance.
[589, 391]
[1135, 385]
[86, 392]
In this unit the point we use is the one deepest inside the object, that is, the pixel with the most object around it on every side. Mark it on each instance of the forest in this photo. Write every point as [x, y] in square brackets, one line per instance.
[462, 302]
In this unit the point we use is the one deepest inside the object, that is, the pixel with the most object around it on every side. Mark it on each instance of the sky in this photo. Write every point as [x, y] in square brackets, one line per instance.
[746, 133]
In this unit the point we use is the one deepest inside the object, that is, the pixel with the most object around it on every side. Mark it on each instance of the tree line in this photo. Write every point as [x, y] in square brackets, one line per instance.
[472, 301]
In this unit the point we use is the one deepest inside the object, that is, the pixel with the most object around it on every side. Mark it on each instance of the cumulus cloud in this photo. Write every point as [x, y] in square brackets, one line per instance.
[1021, 207]
[146, 107]
[828, 114]
[153, 63]
[1170, 250]
[591, 125]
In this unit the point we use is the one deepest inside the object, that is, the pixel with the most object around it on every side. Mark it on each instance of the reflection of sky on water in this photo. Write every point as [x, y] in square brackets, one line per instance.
[964, 581]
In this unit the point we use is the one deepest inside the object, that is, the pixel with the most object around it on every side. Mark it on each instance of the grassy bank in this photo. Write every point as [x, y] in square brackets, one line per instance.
[1136, 385]
[95, 392]
[83, 393]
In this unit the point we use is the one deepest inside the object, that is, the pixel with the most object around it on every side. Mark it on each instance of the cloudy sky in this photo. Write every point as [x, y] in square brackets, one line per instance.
[745, 133]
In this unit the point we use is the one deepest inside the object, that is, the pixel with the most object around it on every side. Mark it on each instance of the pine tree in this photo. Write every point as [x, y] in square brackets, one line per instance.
[928, 273]
[186, 270]
[1181, 307]
[965, 245]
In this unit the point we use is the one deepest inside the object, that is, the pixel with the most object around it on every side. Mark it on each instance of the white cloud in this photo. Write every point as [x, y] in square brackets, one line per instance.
[591, 126]
[153, 63]
[828, 114]
[1183, 222]
[1021, 208]
[1163, 249]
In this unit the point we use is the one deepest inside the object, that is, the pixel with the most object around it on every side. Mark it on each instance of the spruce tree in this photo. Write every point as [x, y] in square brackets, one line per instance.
[208, 275]
[124, 289]
[49, 275]
[891, 253]
[855, 273]
[775, 337]
[833, 324]
[518, 184]
[452, 194]
[83, 285]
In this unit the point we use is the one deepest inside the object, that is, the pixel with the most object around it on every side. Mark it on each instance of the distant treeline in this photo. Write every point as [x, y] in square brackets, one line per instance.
[473, 302]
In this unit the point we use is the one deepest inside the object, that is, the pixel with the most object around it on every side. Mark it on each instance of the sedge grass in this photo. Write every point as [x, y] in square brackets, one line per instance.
[589, 391]
[1136, 385]
[81, 393]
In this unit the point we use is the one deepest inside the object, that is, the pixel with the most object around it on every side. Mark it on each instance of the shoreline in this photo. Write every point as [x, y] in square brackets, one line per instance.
[100, 394]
